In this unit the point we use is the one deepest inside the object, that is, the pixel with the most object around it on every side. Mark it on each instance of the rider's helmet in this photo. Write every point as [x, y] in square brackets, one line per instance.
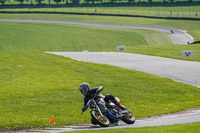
[84, 88]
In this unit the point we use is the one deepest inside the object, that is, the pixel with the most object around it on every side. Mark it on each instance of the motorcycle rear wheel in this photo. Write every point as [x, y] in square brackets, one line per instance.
[101, 120]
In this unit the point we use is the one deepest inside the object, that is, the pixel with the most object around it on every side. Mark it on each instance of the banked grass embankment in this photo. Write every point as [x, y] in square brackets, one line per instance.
[58, 37]
[65, 37]
[190, 26]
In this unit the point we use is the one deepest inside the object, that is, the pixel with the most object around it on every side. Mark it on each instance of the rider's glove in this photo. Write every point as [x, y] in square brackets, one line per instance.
[100, 88]
[84, 109]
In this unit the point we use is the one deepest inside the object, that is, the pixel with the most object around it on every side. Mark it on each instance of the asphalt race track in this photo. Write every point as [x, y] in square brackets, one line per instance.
[179, 70]
[177, 36]
[189, 116]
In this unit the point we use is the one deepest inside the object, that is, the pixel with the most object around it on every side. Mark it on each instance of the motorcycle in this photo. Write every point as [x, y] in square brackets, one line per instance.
[113, 114]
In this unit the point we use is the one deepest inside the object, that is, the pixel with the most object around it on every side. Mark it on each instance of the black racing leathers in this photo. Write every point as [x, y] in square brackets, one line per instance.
[93, 91]
[99, 98]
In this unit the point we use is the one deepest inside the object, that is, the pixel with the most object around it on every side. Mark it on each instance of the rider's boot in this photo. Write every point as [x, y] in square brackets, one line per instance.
[117, 102]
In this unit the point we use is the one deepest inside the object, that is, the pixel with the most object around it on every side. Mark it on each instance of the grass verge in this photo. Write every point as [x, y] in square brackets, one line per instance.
[59, 37]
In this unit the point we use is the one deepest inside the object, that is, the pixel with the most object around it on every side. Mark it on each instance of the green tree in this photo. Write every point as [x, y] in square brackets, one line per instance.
[2, 1]
[57, 1]
[39, 1]
[112, 1]
[75, 1]
[131, 1]
[31, 2]
[21, 1]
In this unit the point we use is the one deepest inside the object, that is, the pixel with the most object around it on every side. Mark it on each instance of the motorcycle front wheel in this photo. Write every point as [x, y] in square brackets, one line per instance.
[101, 120]
[128, 118]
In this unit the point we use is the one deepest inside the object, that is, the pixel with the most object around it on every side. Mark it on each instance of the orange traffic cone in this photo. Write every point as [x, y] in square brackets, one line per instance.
[52, 119]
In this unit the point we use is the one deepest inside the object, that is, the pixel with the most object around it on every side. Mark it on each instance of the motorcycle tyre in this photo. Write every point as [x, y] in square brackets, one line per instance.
[96, 121]
[128, 121]
[93, 121]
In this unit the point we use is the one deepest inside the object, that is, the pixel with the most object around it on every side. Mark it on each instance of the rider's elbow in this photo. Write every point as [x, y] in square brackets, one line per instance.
[100, 88]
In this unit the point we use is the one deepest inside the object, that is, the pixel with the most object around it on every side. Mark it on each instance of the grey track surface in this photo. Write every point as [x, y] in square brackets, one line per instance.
[189, 116]
[179, 70]
[178, 36]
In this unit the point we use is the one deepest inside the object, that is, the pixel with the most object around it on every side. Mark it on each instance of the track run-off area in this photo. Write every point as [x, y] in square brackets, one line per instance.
[182, 71]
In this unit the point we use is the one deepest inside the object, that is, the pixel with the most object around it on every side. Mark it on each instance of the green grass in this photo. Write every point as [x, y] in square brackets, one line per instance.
[191, 26]
[34, 86]
[185, 128]
[34, 36]
[47, 37]
[185, 11]
[57, 37]
[168, 51]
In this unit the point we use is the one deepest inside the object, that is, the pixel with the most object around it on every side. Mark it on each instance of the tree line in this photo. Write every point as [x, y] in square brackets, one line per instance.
[39, 2]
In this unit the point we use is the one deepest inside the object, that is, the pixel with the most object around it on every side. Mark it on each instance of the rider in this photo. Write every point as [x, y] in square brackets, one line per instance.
[101, 100]
[89, 93]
